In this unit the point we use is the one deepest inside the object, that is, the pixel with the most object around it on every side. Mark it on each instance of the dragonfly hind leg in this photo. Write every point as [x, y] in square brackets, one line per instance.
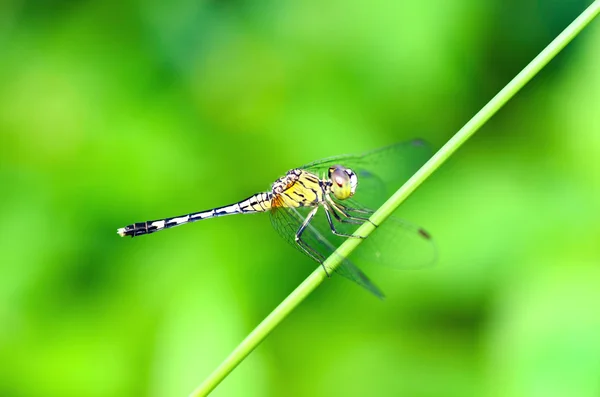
[307, 248]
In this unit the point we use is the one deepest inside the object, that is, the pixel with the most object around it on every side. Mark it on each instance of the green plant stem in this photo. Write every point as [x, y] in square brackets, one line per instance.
[317, 277]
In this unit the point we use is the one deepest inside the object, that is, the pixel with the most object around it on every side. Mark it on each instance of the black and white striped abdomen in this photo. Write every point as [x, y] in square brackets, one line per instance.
[260, 202]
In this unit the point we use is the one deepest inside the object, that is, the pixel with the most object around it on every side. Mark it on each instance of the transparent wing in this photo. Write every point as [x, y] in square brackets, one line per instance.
[380, 172]
[287, 221]
[395, 243]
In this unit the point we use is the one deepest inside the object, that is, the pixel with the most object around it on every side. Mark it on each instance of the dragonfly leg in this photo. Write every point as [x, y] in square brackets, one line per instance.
[359, 210]
[344, 211]
[305, 247]
[346, 219]
[332, 227]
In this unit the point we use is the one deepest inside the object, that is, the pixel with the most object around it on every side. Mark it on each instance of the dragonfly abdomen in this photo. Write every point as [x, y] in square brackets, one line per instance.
[260, 202]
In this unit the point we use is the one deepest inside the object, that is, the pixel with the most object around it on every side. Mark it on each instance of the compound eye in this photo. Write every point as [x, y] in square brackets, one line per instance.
[339, 177]
[341, 182]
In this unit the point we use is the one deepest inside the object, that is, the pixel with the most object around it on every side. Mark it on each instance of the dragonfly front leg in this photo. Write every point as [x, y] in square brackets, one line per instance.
[344, 211]
[332, 227]
[305, 247]
[345, 220]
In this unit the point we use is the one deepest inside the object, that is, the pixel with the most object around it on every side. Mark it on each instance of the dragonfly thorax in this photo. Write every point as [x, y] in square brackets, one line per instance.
[299, 188]
[287, 181]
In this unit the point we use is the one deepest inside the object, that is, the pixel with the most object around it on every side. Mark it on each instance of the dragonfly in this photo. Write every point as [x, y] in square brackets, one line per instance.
[317, 206]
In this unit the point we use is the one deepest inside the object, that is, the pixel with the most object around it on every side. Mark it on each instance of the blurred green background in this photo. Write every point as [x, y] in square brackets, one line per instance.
[116, 112]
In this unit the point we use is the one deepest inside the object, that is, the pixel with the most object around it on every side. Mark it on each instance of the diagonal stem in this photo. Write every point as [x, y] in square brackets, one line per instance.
[317, 277]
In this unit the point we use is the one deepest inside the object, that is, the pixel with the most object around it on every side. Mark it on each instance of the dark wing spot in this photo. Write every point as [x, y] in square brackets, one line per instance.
[418, 142]
[425, 234]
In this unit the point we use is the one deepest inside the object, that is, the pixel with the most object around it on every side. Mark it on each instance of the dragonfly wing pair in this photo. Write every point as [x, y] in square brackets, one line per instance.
[395, 243]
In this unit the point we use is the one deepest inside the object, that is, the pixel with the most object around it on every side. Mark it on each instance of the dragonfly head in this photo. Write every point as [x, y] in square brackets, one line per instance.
[343, 182]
